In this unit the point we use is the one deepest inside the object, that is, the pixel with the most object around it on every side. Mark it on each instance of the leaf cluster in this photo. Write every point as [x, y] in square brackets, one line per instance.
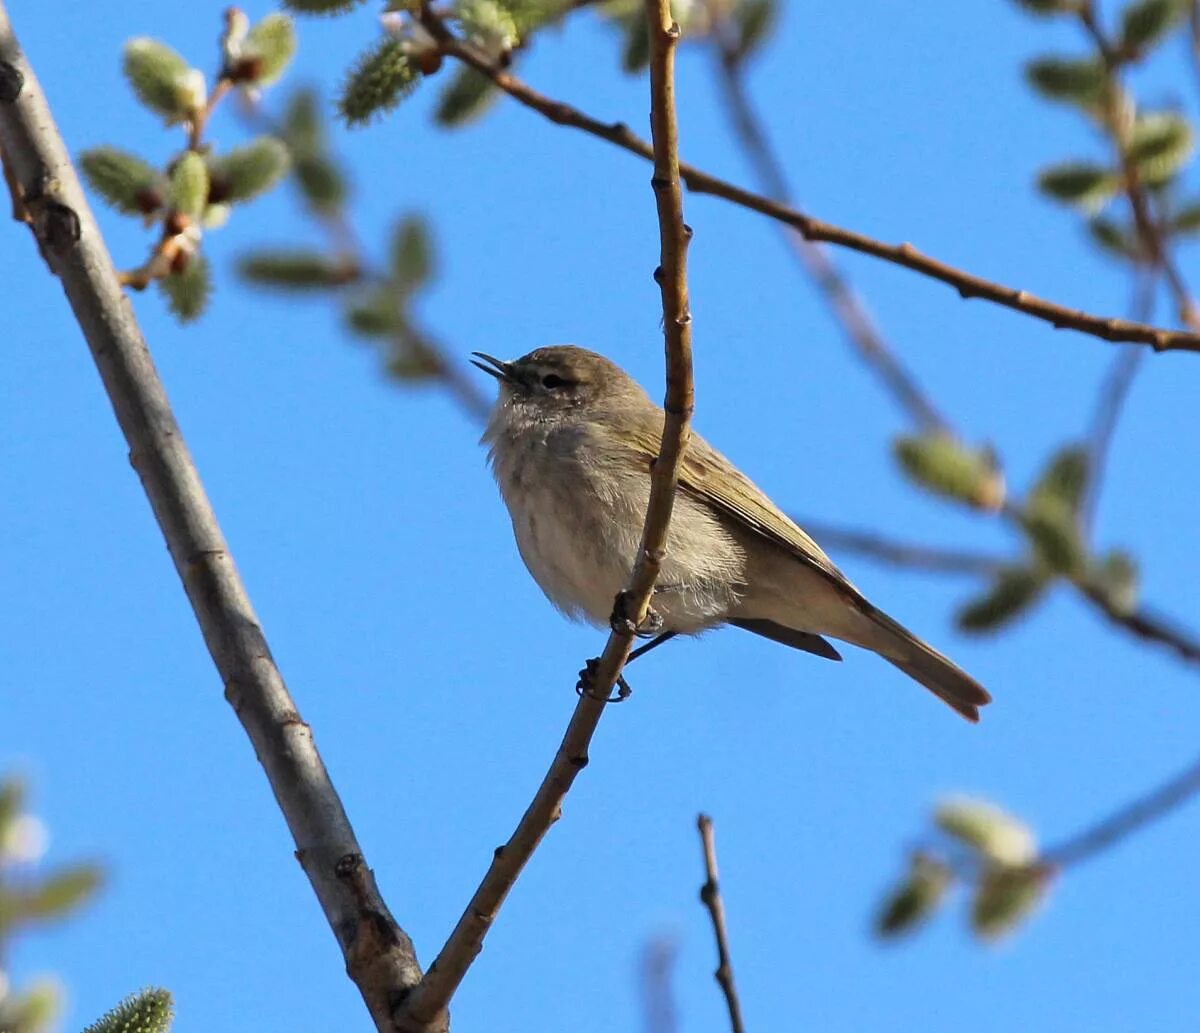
[198, 186]
[986, 851]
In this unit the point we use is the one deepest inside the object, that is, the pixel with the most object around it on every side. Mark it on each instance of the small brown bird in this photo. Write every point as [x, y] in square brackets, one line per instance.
[571, 441]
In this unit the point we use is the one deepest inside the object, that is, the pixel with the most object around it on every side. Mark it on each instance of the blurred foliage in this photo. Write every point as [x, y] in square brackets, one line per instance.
[981, 849]
[31, 898]
[1148, 149]
[196, 188]
[943, 465]
[389, 70]
[377, 302]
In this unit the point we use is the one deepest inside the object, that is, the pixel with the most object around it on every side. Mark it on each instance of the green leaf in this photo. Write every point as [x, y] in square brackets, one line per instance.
[412, 259]
[379, 80]
[1065, 476]
[147, 1011]
[1118, 239]
[189, 185]
[302, 126]
[321, 6]
[488, 25]
[529, 15]
[985, 828]
[411, 358]
[12, 803]
[1013, 591]
[267, 51]
[1054, 532]
[32, 1011]
[635, 53]
[248, 171]
[1160, 145]
[1077, 81]
[1005, 897]
[1146, 22]
[946, 467]
[1115, 579]
[60, 893]
[374, 313]
[1079, 183]
[295, 270]
[916, 898]
[187, 289]
[123, 180]
[754, 20]
[321, 182]
[1049, 7]
[160, 78]
[1186, 220]
[465, 97]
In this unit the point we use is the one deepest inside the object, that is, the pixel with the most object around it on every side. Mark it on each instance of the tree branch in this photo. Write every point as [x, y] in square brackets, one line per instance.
[909, 555]
[379, 955]
[967, 285]
[1110, 402]
[840, 297]
[433, 995]
[1127, 820]
[710, 896]
[1118, 124]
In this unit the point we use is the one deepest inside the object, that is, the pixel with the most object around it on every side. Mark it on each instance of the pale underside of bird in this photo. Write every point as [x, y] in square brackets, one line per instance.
[572, 440]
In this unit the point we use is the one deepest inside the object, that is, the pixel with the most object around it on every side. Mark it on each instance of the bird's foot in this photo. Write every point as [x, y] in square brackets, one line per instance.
[587, 679]
[623, 624]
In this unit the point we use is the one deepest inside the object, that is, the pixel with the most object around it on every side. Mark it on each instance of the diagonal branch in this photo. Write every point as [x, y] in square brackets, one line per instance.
[379, 955]
[846, 306]
[931, 559]
[710, 896]
[968, 286]
[1124, 822]
[432, 997]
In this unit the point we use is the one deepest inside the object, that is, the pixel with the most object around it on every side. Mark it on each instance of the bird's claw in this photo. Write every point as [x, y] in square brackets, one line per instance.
[623, 624]
[587, 681]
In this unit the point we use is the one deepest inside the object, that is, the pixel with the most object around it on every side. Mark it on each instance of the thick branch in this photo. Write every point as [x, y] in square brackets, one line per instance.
[433, 995]
[710, 896]
[379, 956]
[967, 285]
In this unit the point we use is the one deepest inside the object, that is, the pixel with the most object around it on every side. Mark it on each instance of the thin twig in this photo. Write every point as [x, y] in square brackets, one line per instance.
[379, 956]
[433, 995]
[710, 896]
[658, 1002]
[1147, 226]
[842, 300]
[1127, 820]
[1110, 403]
[1144, 623]
[967, 285]
[199, 122]
[346, 243]
[910, 555]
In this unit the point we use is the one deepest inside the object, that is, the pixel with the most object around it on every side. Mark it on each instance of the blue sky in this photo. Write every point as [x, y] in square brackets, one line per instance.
[438, 680]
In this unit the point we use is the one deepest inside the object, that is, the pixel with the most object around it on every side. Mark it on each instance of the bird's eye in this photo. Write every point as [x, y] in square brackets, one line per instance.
[552, 380]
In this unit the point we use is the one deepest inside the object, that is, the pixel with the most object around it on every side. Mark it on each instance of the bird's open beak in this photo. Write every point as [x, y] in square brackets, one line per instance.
[498, 368]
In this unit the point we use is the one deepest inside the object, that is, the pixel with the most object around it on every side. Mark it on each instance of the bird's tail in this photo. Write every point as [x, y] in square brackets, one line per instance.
[921, 662]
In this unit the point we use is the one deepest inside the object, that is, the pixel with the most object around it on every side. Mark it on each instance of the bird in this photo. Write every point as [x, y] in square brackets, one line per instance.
[572, 439]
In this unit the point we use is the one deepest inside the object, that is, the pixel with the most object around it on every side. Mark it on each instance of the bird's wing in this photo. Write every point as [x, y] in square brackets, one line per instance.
[710, 477]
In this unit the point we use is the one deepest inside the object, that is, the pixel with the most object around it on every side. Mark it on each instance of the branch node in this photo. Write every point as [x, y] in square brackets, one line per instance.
[12, 81]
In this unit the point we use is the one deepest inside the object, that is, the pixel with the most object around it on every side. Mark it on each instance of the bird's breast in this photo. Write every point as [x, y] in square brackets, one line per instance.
[577, 514]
